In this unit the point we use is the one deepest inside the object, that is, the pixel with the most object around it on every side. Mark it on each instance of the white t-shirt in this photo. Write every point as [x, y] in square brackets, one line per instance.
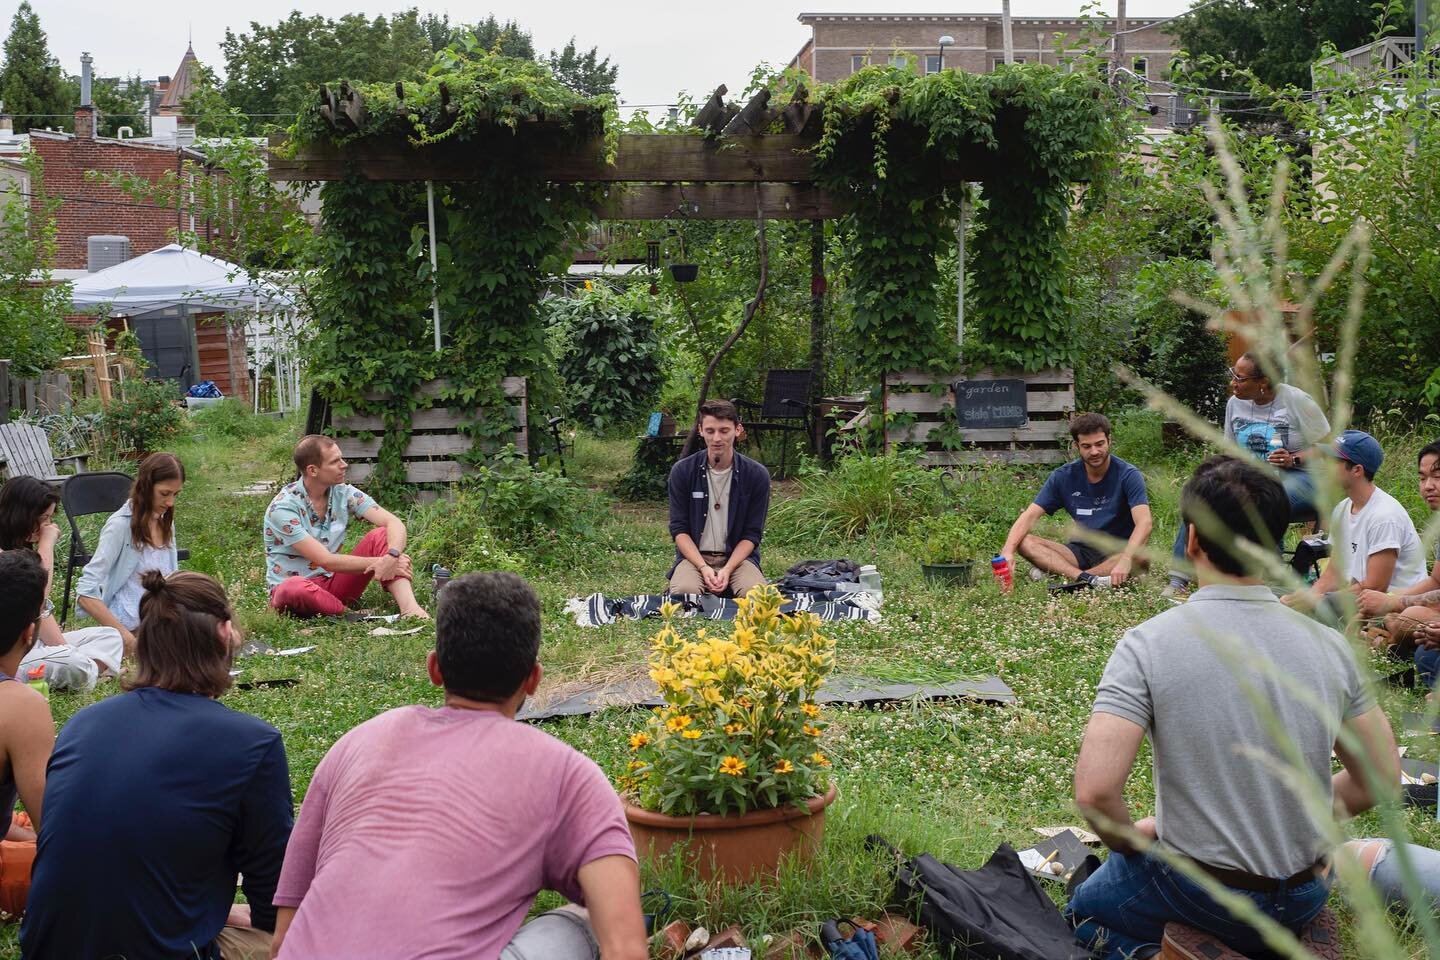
[127, 601]
[1293, 416]
[1382, 524]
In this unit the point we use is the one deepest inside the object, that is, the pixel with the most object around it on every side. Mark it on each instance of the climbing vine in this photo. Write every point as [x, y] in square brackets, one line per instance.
[891, 143]
[497, 236]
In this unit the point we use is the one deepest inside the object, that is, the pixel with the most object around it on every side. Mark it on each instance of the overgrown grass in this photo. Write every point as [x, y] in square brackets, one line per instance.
[952, 779]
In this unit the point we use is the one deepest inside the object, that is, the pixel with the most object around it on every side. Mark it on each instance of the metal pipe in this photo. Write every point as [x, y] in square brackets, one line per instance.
[434, 263]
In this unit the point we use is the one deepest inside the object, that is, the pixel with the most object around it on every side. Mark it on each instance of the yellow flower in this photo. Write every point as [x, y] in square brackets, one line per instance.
[635, 765]
[810, 710]
[812, 731]
[784, 766]
[732, 766]
[691, 734]
[677, 723]
[820, 759]
[734, 728]
[639, 740]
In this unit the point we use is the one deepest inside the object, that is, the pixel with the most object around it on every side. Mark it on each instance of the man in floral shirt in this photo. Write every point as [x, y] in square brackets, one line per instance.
[305, 524]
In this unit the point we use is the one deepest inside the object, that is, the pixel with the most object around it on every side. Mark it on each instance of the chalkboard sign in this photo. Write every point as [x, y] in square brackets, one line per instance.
[991, 404]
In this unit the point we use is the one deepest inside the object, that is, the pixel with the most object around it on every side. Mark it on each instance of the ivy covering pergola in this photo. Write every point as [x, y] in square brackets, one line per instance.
[520, 165]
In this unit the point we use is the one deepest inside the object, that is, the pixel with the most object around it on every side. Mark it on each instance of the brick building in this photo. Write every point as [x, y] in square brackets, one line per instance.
[179, 345]
[841, 43]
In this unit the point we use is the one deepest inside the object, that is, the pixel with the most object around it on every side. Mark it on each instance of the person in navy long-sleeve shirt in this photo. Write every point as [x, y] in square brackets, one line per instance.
[156, 799]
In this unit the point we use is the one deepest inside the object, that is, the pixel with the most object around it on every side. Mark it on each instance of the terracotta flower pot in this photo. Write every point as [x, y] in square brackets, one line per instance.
[735, 848]
[16, 859]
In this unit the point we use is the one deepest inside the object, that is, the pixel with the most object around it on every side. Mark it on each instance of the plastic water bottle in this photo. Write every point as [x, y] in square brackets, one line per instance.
[1276, 444]
[1000, 567]
[870, 580]
[442, 577]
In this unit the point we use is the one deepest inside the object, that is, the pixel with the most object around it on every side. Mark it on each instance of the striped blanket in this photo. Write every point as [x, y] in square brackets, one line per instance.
[597, 609]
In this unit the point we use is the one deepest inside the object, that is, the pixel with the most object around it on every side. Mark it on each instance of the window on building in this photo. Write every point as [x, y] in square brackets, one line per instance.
[932, 63]
[1140, 66]
[858, 62]
[898, 60]
[998, 62]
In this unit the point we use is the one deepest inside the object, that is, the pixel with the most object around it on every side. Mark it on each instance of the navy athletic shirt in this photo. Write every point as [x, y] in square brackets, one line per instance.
[154, 802]
[1103, 506]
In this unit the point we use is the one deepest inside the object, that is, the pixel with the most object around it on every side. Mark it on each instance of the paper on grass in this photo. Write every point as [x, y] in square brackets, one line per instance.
[293, 651]
[1081, 834]
[387, 632]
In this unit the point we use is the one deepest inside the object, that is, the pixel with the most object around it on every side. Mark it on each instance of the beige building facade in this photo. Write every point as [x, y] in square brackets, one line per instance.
[842, 43]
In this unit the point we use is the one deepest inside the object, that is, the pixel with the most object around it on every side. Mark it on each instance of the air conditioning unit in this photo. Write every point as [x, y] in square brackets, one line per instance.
[1185, 118]
[106, 251]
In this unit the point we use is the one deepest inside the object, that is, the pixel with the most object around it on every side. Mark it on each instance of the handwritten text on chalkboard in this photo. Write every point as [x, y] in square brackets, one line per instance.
[991, 404]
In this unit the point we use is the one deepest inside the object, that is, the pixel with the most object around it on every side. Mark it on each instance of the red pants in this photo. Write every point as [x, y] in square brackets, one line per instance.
[328, 596]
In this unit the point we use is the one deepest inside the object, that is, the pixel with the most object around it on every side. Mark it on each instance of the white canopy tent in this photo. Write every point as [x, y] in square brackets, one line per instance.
[175, 276]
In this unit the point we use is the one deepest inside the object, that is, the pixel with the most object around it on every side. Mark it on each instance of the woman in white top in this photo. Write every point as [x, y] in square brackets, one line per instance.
[75, 659]
[137, 538]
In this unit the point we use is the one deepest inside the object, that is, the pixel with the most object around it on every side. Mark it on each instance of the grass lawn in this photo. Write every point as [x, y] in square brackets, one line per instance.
[953, 780]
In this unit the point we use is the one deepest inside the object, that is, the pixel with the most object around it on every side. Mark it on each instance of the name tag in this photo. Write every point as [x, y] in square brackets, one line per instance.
[697, 494]
[1083, 512]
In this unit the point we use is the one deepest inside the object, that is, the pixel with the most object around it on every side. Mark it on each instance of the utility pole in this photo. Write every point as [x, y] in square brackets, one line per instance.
[1118, 60]
[1006, 36]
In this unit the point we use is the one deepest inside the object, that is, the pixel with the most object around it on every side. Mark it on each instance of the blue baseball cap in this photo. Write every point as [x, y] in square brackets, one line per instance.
[1361, 449]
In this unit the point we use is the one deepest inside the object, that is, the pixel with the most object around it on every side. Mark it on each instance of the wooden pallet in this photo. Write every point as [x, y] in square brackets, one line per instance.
[436, 439]
[1050, 400]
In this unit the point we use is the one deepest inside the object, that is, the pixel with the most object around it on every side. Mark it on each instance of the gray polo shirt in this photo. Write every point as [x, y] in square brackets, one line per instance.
[1200, 679]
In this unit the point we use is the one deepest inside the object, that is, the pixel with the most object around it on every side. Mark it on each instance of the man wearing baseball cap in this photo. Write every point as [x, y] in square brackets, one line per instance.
[1375, 546]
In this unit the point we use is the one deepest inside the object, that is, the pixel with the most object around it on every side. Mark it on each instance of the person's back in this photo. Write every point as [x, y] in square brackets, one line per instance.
[434, 828]
[1211, 681]
[427, 832]
[155, 801]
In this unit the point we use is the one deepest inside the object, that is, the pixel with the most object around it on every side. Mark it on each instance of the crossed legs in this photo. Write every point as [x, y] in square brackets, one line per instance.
[1061, 560]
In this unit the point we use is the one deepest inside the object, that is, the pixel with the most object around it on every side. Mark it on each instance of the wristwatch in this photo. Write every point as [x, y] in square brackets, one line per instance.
[394, 553]
[48, 609]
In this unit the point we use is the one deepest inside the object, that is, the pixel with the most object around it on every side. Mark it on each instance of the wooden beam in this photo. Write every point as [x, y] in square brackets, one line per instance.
[753, 118]
[720, 201]
[713, 115]
[640, 158]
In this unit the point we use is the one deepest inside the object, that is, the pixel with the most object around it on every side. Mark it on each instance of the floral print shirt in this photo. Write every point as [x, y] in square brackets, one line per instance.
[291, 518]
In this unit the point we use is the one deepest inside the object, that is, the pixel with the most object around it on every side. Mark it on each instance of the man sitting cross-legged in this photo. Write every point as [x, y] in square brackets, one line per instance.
[718, 502]
[305, 533]
[1101, 493]
[427, 832]
[1213, 684]
[1375, 542]
[1408, 609]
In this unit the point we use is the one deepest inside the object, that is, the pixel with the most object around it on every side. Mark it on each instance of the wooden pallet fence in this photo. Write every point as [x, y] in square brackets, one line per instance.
[436, 439]
[1050, 400]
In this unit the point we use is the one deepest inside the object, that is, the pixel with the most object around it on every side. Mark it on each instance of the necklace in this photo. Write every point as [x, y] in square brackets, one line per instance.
[717, 497]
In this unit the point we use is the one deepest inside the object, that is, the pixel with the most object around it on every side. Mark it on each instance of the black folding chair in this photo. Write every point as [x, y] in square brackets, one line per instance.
[83, 495]
[785, 409]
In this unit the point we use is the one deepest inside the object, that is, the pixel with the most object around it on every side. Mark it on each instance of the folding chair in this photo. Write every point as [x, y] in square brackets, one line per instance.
[784, 409]
[83, 495]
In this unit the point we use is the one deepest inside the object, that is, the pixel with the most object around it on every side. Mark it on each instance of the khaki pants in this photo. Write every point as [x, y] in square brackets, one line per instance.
[686, 578]
[243, 943]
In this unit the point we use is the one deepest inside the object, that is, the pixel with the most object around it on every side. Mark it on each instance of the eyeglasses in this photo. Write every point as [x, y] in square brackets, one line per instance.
[1236, 378]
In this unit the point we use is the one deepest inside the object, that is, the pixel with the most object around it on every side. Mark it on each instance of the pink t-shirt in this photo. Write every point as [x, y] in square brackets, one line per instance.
[427, 833]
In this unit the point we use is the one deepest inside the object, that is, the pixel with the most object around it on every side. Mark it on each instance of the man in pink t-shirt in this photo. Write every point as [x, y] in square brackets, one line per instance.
[428, 832]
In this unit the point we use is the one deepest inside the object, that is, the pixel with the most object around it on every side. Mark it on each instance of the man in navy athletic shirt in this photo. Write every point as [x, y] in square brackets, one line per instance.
[1106, 498]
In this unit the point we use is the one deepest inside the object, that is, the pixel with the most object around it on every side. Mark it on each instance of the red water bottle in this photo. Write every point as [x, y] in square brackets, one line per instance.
[1001, 568]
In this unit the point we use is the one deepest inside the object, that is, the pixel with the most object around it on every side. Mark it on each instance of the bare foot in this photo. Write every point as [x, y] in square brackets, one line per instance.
[414, 613]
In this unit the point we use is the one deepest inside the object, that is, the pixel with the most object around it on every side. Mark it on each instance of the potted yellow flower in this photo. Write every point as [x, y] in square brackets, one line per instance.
[733, 763]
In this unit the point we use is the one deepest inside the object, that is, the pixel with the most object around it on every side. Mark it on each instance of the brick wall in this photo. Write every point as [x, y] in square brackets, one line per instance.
[90, 208]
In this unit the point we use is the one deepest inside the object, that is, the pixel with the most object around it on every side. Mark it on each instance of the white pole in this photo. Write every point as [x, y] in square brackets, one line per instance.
[434, 267]
[257, 352]
[1007, 37]
[280, 384]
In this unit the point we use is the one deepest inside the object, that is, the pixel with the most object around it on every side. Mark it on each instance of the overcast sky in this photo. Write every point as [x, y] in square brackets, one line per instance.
[661, 47]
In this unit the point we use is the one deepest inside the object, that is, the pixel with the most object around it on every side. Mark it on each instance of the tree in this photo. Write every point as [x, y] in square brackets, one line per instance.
[507, 38]
[584, 73]
[31, 86]
[439, 32]
[1278, 40]
[120, 103]
[33, 334]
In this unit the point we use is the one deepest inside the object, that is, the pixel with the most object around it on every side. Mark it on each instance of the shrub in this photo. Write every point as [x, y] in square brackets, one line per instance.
[232, 419]
[951, 538]
[454, 534]
[143, 418]
[1178, 353]
[609, 356]
[858, 494]
[533, 509]
[649, 472]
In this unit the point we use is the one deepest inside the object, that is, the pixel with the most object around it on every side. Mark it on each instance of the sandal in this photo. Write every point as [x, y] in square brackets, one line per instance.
[859, 945]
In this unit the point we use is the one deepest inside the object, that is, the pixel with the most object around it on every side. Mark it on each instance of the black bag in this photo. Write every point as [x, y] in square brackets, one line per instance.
[997, 912]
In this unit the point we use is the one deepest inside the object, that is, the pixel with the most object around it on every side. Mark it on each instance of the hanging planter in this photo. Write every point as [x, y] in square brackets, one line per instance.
[684, 272]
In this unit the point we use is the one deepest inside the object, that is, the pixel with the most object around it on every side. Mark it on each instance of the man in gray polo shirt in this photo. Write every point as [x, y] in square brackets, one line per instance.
[1208, 683]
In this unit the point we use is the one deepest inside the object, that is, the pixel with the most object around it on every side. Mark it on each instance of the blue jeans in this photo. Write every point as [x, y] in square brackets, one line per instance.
[1298, 485]
[1427, 665]
[1120, 911]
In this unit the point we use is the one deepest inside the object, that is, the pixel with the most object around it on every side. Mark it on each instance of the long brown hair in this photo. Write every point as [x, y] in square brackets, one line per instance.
[153, 469]
[178, 645]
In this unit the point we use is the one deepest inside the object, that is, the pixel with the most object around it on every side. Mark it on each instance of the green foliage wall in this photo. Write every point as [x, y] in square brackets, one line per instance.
[609, 356]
